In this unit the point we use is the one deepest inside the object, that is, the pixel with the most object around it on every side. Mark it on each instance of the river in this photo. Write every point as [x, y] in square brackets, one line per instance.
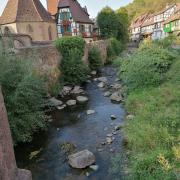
[84, 131]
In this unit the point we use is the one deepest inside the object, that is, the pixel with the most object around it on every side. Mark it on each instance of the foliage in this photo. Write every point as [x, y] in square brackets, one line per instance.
[153, 98]
[114, 49]
[108, 23]
[94, 58]
[138, 7]
[68, 43]
[24, 94]
[113, 24]
[73, 69]
[146, 67]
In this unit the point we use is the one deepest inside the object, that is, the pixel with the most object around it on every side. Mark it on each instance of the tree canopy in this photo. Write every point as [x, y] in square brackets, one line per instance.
[138, 7]
[113, 24]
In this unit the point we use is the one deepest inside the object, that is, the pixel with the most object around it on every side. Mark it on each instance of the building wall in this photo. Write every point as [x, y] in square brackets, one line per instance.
[12, 27]
[39, 31]
[52, 6]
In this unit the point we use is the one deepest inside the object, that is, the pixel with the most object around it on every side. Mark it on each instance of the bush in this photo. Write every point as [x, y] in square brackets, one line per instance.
[146, 67]
[24, 94]
[66, 44]
[94, 58]
[73, 69]
[114, 49]
[151, 77]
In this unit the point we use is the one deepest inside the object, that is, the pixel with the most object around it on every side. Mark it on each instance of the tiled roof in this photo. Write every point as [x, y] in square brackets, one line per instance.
[79, 14]
[24, 11]
[149, 21]
[139, 21]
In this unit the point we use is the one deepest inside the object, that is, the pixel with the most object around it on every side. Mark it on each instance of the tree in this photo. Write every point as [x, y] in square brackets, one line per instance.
[114, 24]
[25, 97]
[108, 23]
[123, 20]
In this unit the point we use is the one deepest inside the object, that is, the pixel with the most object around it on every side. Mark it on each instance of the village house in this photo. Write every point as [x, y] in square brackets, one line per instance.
[147, 27]
[28, 17]
[73, 20]
[135, 28]
[160, 18]
[172, 24]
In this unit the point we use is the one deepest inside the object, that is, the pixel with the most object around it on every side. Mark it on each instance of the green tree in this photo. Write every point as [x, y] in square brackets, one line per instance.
[25, 97]
[123, 20]
[108, 23]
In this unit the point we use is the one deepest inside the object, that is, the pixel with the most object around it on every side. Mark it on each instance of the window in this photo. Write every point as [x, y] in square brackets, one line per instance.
[90, 29]
[82, 28]
[65, 15]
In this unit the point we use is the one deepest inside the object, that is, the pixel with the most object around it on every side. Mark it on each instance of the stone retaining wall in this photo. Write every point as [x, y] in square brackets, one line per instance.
[46, 58]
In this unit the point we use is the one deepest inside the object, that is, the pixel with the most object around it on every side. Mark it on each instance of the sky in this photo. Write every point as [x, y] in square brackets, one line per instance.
[93, 6]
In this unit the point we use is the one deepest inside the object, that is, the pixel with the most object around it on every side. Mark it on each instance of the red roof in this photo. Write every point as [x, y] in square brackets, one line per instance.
[149, 21]
[79, 14]
[139, 21]
[25, 11]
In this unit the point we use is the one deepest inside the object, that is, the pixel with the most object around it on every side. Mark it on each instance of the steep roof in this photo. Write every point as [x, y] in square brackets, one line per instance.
[149, 21]
[139, 21]
[25, 11]
[79, 14]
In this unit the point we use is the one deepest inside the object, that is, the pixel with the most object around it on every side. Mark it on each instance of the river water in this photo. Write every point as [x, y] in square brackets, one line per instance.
[84, 131]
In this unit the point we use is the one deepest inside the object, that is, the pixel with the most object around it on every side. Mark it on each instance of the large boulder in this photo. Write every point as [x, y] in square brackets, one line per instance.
[82, 99]
[81, 159]
[101, 84]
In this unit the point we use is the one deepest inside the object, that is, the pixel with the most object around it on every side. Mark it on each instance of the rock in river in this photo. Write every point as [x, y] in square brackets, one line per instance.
[89, 112]
[107, 94]
[77, 90]
[102, 79]
[116, 97]
[82, 99]
[101, 84]
[55, 102]
[81, 159]
[71, 102]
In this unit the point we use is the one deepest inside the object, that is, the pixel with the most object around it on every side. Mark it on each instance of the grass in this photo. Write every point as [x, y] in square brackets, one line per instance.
[154, 132]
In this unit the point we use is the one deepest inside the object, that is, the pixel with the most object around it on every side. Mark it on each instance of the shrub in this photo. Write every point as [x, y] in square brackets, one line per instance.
[94, 58]
[24, 94]
[73, 69]
[146, 67]
[66, 44]
[114, 49]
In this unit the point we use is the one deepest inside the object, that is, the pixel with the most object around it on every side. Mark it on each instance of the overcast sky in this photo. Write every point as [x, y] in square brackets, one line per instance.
[94, 6]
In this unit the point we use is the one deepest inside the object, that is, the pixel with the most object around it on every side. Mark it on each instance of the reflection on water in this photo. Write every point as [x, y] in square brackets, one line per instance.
[82, 130]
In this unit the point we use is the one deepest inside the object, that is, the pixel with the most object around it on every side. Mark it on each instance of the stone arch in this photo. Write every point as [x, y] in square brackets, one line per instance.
[50, 33]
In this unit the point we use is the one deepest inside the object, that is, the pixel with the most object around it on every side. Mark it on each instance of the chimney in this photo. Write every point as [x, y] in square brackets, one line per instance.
[52, 6]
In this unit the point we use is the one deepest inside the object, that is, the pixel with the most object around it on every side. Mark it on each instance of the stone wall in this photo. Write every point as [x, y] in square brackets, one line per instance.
[8, 168]
[47, 59]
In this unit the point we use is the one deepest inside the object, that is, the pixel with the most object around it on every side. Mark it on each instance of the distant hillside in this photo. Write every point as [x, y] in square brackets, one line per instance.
[138, 7]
